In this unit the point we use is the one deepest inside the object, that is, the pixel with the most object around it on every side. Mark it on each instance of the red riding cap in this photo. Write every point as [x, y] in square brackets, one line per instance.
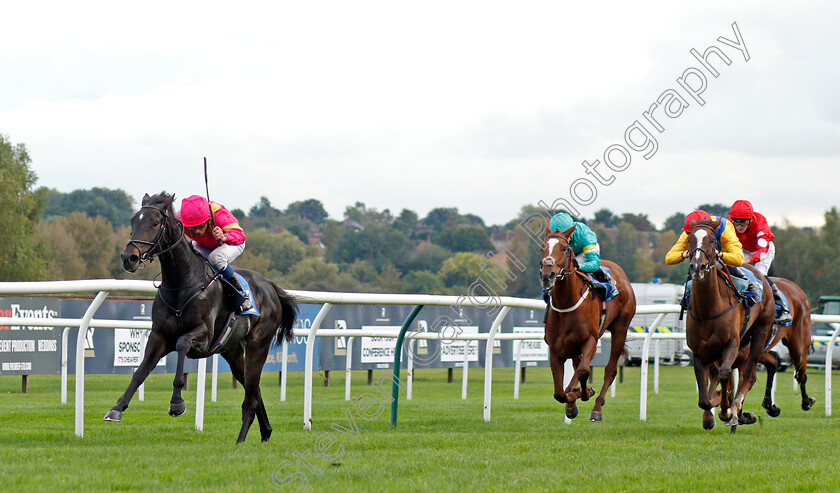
[741, 209]
[194, 211]
[695, 216]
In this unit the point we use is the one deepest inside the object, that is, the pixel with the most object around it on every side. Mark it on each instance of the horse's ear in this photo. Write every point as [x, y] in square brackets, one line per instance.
[568, 233]
[692, 223]
[145, 200]
[548, 228]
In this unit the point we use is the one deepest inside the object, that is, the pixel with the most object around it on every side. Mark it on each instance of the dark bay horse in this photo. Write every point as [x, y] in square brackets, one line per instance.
[191, 308]
[797, 338]
[721, 332]
[577, 319]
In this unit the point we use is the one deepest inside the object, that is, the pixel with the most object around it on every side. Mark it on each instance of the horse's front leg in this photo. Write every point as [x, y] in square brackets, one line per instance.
[557, 365]
[198, 337]
[584, 370]
[730, 352]
[701, 374]
[155, 349]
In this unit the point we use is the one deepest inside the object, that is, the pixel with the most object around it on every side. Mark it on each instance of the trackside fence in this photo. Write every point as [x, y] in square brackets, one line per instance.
[103, 287]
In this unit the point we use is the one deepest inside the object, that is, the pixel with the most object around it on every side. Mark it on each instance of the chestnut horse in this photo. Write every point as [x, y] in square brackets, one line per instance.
[797, 338]
[191, 308]
[576, 319]
[721, 331]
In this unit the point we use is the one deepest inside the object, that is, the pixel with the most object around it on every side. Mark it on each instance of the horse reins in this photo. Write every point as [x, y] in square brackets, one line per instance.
[727, 279]
[151, 254]
[563, 275]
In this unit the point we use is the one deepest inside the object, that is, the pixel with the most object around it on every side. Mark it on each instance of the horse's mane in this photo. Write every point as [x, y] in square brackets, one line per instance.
[163, 199]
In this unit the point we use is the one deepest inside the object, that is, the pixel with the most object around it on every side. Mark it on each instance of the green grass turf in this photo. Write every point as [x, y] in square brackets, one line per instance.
[441, 444]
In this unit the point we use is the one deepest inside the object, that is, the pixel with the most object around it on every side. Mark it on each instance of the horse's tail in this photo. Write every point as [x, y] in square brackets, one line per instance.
[289, 313]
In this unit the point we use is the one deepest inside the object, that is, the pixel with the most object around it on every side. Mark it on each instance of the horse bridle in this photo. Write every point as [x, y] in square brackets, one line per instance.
[705, 268]
[568, 264]
[150, 254]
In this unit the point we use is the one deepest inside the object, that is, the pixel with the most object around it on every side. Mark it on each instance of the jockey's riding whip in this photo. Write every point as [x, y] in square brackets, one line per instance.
[207, 189]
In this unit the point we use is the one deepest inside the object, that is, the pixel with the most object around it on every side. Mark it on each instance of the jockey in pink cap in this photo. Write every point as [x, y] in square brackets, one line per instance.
[220, 241]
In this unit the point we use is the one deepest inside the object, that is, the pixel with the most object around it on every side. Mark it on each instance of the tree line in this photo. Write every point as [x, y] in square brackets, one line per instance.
[51, 235]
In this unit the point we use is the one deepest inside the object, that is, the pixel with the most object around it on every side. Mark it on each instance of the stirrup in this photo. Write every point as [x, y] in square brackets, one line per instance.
[246, 305]
[784, 318]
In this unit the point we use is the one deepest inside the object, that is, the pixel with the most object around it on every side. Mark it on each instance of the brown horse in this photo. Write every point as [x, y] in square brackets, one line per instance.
[797, 338]
[576, 319]
[721, 331]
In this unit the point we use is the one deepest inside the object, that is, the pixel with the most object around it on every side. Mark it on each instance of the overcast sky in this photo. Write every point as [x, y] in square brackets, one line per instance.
[476, 105]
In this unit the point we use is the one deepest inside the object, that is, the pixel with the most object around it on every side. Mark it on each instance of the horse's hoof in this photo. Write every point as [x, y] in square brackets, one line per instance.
[725, 415]
[806, 404]
[774, 411]
[113, 415]
[708, 424]
[733, 429]
[596, 416]
[572, 412]
[177, 409]
[749, 418]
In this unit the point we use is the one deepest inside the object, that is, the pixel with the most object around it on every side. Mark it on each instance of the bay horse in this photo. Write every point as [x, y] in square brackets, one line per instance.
[192, 307]
[797, 338]
[721, 331]
[576, 319]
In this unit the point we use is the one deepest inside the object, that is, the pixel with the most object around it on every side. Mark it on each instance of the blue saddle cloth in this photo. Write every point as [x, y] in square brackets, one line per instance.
[611, 290]
[247, 287]
[752, 287]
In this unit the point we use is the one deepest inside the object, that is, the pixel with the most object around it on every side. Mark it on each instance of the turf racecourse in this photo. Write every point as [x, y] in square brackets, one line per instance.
[441, 444]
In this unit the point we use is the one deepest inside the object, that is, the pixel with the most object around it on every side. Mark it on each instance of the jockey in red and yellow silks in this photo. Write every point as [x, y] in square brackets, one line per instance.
[759, 249]
[754, 234]
[220, 241]
[731, 252]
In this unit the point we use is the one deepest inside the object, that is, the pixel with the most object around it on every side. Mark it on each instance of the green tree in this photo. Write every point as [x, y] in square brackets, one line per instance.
[407, 222]
[464, 239]
[310, 209]
[721, 210]
[263, 215]
[465, 268]
[664, 242]
[315, 274]
[363, 215]
[429, 257]
[605, 218]
[377, 243]
[675, 223]
[442, 217]
[423, 281]
[21, 257]
[115, 206]
[639, 221]
[625, 249]
[282, 250]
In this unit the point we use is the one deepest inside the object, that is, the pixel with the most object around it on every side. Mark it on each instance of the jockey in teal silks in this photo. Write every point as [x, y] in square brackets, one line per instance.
[584, 242]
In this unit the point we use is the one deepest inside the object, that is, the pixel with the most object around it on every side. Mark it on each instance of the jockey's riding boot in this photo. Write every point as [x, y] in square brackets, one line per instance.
[784, 314]
[601, 275]
[232, 279]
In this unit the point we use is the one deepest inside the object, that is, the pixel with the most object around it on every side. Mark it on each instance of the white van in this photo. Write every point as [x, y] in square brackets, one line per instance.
[670, 351]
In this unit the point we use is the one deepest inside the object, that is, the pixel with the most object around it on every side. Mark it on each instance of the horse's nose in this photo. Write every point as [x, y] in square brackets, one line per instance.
[130, 261]
[548, 279]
